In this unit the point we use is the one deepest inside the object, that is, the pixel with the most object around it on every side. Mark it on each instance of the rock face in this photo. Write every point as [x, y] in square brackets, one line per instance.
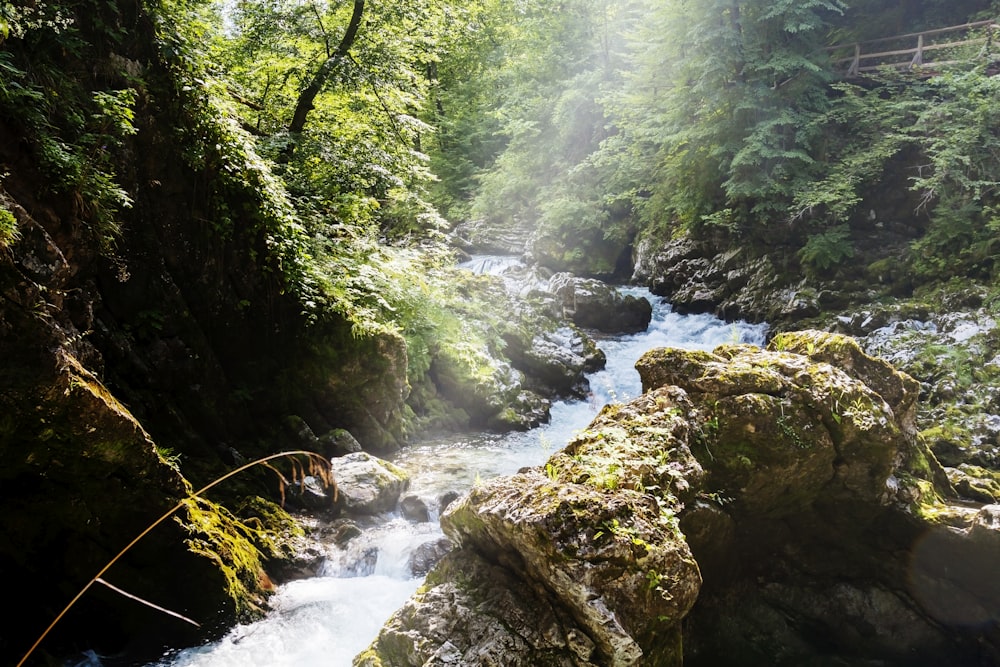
[489, 236]
[779, 502]
[756, 284]
[132, 337]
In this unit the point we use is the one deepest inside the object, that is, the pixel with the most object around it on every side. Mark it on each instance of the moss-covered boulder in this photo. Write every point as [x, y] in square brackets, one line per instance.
[814, 525]
[579, 563]
[555, 360]
[593, 304]
[785, 427]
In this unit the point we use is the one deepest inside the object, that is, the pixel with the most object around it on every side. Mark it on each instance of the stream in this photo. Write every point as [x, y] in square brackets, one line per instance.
[328, 619]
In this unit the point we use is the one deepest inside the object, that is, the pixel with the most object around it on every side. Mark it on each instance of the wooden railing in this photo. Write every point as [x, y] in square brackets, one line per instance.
[916, 51]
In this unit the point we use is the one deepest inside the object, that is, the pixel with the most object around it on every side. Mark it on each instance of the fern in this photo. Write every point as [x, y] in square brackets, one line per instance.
[827, 249]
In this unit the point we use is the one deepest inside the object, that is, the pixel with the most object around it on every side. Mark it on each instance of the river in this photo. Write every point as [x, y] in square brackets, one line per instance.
[328, 619]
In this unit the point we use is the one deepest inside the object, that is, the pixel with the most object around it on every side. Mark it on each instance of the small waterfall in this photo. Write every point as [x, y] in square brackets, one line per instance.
[492, 265]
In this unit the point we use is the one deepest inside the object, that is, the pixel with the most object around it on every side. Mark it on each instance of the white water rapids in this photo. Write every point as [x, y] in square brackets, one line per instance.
[328, 619]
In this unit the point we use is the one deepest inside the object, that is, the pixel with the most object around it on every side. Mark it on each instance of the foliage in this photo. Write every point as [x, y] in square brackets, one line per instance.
[73, 129]
[960, 135]
[8, 228]
[827, 249]
[726, 123]
[718, 116]
[361, 150]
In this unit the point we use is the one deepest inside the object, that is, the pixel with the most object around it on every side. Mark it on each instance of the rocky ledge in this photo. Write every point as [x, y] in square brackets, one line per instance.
[777, 505]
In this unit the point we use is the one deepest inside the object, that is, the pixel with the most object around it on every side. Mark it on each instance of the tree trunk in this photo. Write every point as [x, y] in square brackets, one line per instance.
[308, 95]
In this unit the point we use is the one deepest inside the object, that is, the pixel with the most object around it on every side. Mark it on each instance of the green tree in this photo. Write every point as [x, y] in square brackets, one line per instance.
[721, 102]
[356, 72]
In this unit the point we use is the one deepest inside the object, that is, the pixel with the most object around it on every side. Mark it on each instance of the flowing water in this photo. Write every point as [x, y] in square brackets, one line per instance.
[328, 619]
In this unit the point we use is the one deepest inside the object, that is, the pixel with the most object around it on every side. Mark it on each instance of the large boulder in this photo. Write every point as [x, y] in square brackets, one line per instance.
[366, 484]
[566, 565]
[556, 360]
[777, 502]
[593, 304]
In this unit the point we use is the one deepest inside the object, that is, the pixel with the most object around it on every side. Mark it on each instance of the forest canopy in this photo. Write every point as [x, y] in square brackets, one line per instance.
[374, 127]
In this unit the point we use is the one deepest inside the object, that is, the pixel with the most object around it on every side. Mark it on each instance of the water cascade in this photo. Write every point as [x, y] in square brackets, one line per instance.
[328, 619]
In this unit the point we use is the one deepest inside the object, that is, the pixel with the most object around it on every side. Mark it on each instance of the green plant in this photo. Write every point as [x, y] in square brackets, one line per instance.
[9, 232]
[791, 433]
[170, 457]
[827, 249]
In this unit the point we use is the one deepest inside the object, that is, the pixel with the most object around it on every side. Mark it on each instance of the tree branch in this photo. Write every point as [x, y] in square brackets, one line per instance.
[307, 97]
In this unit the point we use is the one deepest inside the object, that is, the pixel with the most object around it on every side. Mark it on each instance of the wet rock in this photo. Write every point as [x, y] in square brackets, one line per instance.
[413, 508]
[427, 555]
[543, 355]
[761, 283]
[343, 531]
[310, 494]
[367, 485]
[558, 360]
[592, 304]
[524, 411]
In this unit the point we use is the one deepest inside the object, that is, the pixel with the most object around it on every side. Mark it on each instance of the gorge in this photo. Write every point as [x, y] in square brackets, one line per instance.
[229, 238]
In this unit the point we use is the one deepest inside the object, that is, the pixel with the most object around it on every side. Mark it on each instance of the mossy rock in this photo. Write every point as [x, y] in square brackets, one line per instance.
[812, 417]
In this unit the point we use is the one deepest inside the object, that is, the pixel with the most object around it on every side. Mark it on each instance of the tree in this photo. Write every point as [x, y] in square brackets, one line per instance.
[722, 98]
[339, 109]
[307, 97]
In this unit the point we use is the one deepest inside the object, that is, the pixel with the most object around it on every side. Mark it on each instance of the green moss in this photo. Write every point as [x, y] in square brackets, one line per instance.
[230, 545]
[270, 517]
[946, 432]
[8, 229]
[928, 504]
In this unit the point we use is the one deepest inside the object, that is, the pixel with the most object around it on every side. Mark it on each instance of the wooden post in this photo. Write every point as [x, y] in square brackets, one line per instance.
[918, 57]
[853, 71]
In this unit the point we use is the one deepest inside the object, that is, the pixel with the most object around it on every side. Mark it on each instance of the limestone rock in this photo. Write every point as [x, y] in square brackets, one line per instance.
[592, 304]
[413, 507]
[566, 566]
[366, 484]
[558, 359]
[428, 554]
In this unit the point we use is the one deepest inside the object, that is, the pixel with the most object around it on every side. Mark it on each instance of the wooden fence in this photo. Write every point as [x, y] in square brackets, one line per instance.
[923, 52]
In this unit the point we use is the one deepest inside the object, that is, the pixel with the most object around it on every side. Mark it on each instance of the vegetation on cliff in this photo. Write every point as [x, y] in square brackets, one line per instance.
[175, 285]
